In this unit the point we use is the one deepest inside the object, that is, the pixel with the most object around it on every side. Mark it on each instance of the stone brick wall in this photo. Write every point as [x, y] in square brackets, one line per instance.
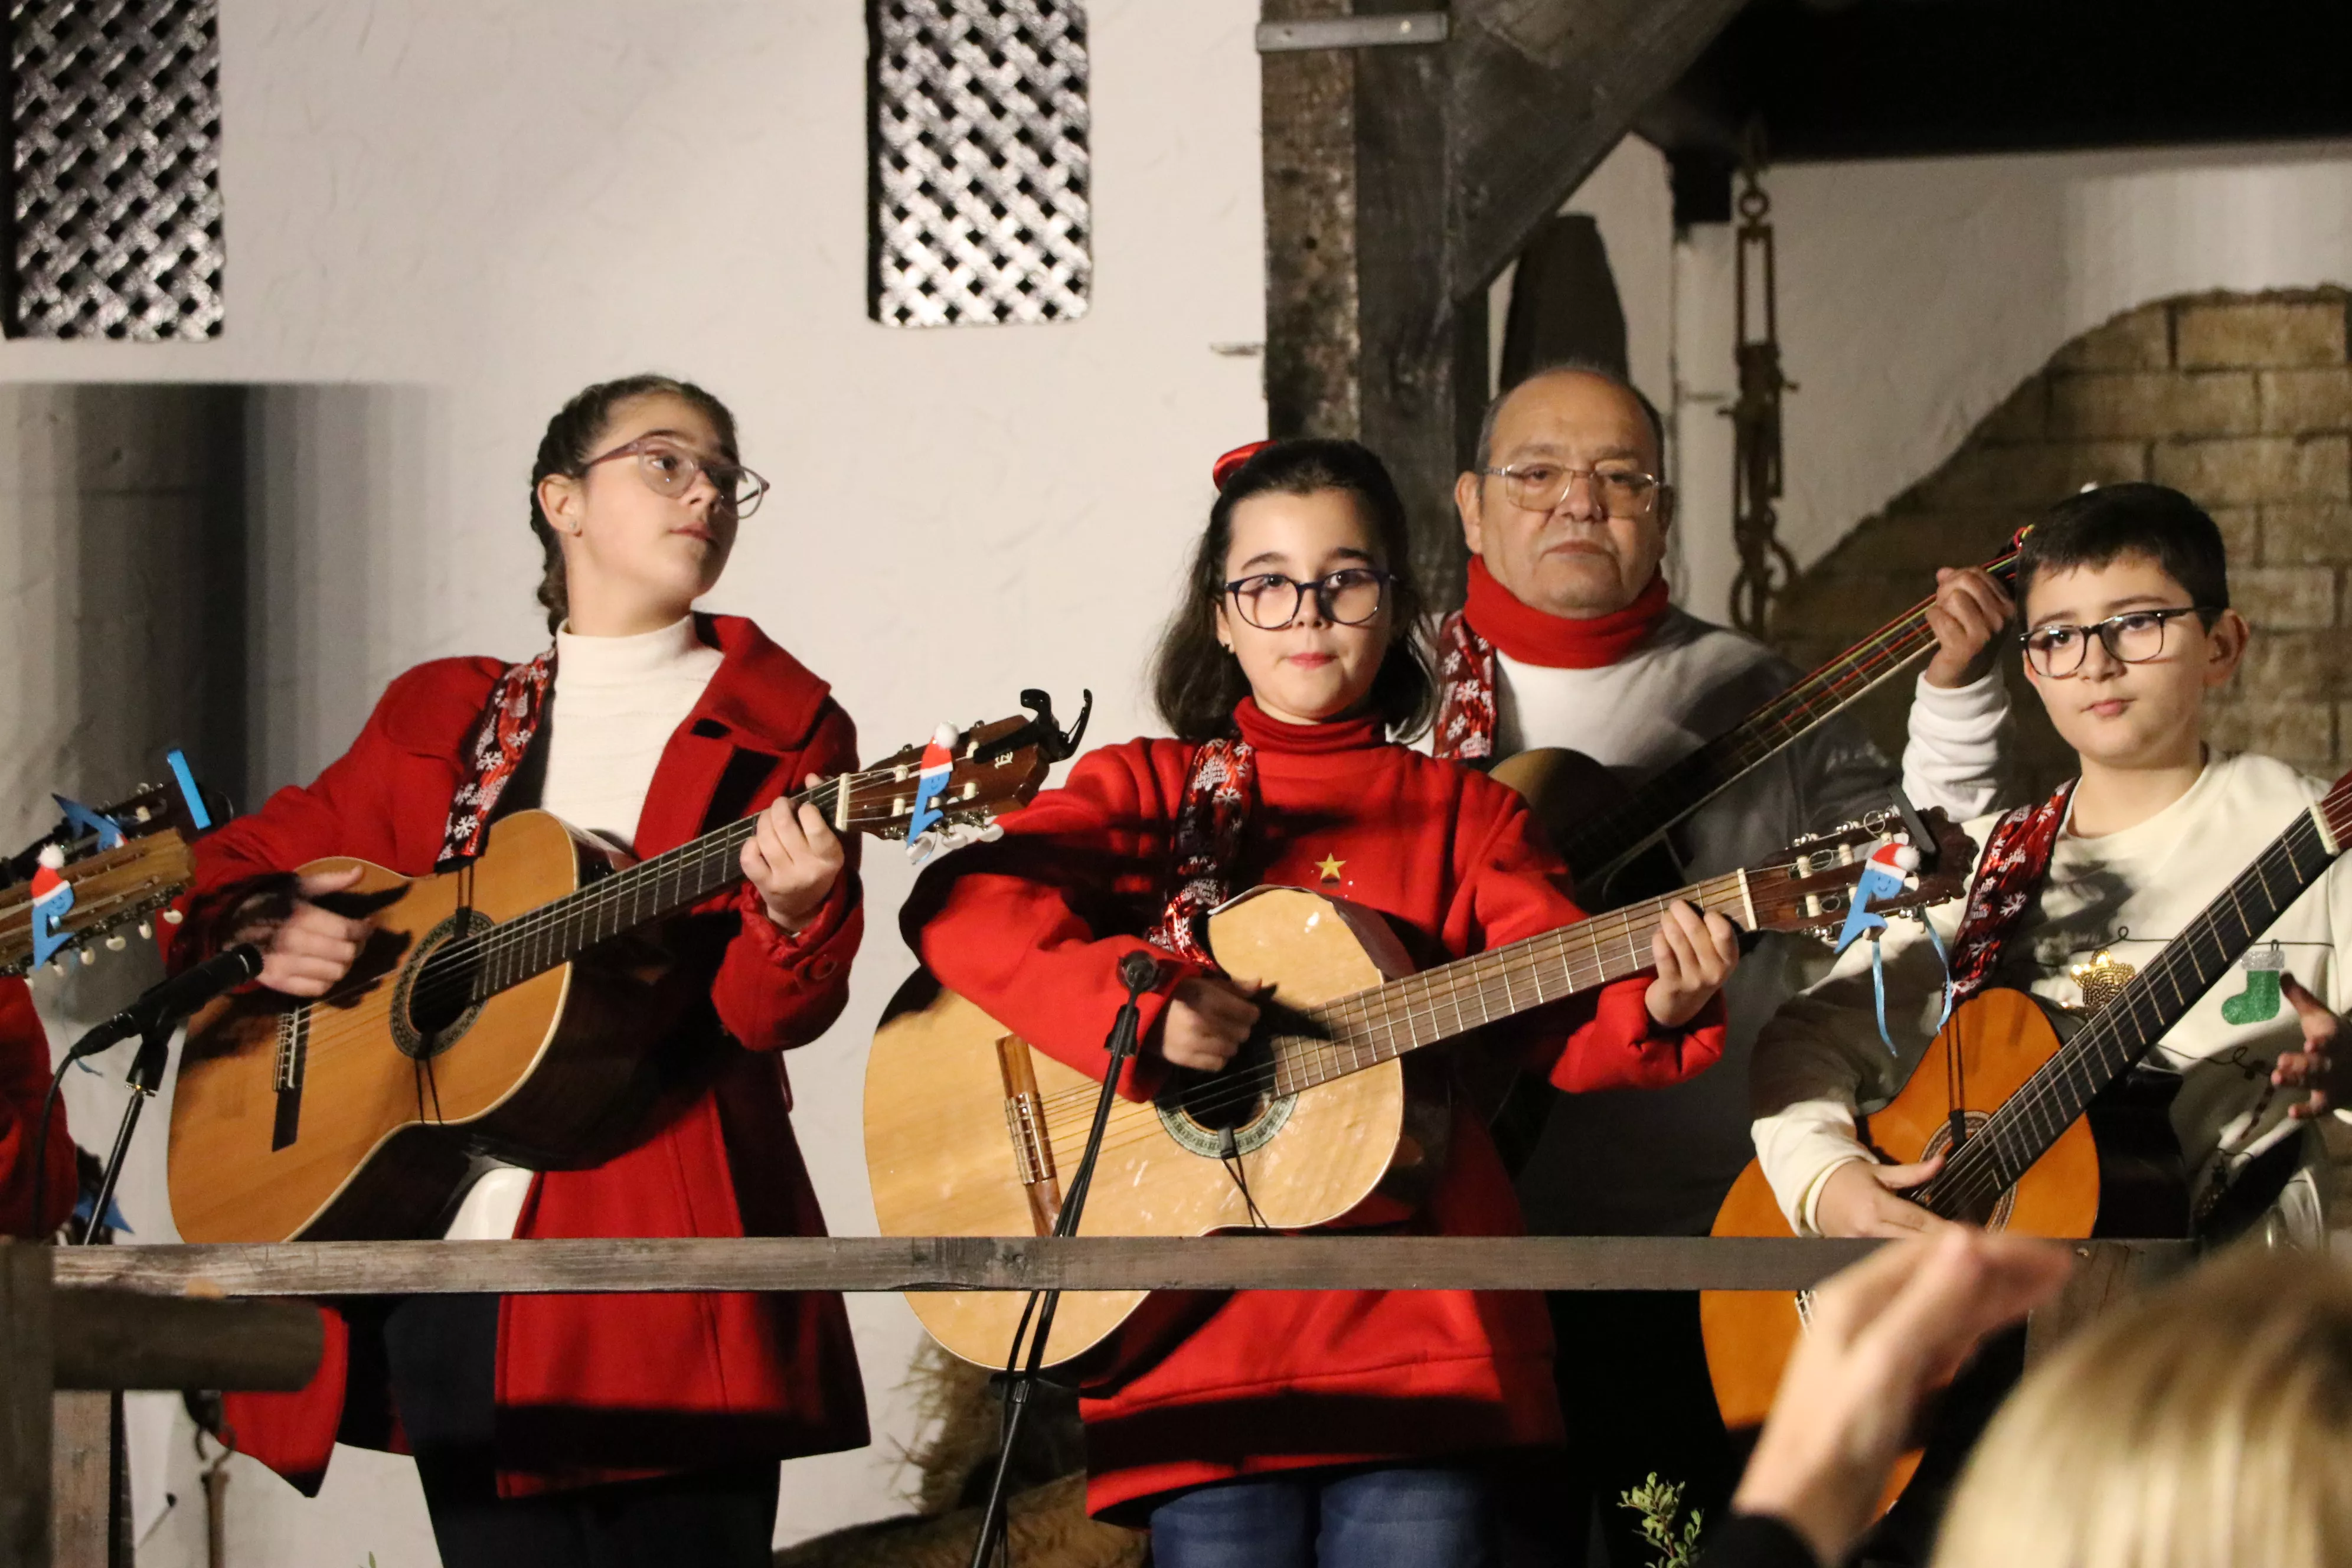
[2244, 401]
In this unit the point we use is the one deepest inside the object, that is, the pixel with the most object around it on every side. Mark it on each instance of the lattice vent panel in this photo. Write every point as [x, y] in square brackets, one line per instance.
[977, 112]
[117, 161]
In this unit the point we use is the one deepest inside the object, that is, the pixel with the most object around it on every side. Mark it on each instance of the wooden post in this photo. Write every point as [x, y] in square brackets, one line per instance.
[25, 1403]
[89, 1512]
[1400, 182]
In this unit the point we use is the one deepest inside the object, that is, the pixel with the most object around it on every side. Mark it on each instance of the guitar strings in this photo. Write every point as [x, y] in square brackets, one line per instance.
[1780, 720]
[1975, 1177]
[1485, 977]
[443, 973]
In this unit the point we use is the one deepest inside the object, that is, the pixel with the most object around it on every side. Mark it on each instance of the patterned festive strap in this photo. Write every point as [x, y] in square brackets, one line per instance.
[494, 750]
[1465, 682]
[2015, 860]
[1209, 827]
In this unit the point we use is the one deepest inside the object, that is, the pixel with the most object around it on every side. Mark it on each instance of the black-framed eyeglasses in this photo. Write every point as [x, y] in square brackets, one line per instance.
[669, 469]
[1347, 597]
[2135, 636]
[1541, 487]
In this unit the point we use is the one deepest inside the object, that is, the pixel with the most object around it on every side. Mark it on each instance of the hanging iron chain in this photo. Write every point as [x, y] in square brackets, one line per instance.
[1765, 565]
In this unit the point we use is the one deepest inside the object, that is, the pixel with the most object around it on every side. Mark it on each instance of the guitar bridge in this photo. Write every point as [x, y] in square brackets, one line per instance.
[1032, 1145]
[293, 1056]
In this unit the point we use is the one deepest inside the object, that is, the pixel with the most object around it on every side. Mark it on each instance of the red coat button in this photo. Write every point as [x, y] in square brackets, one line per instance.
[823, 967]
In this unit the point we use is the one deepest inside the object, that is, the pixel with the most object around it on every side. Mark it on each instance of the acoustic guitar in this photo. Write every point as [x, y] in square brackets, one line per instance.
[2041, 1135]
[970, 1128]
[99, 871]
[507, 1007]
[1602, 828]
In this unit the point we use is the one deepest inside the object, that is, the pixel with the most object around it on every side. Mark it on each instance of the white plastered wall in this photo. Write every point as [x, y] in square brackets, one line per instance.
[444, 217]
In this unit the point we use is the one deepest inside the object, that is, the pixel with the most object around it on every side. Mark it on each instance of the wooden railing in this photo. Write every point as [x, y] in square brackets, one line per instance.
[174, 1317]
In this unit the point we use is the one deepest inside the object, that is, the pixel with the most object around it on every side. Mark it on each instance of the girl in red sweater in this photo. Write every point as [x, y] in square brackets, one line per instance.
[1344, 1429]
[609, 1430]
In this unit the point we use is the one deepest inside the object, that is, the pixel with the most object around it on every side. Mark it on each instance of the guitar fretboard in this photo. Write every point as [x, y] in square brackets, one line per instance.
[1605, 840]
[1385, 1022]
[2008, 1143]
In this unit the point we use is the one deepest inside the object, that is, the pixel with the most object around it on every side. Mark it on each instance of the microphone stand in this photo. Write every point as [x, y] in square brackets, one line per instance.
[145, 1077]
[1138, 971]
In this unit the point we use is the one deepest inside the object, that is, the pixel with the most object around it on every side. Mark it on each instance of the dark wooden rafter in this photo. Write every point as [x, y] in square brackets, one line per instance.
[1400, 182]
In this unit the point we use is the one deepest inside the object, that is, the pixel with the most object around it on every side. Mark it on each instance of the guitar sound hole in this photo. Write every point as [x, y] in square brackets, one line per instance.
[1235, 1111]
[436, 1001]
[1993, 1215]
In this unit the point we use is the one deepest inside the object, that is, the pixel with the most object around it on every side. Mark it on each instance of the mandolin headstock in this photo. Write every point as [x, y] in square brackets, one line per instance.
[952, 789]
[99, 871]
[1809, 887]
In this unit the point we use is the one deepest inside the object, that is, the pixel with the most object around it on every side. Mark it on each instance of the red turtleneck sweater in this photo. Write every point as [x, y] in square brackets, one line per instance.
[1033, 928]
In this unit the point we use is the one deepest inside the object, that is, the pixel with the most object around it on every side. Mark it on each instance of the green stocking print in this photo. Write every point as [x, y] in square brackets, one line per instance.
[2259, 1002]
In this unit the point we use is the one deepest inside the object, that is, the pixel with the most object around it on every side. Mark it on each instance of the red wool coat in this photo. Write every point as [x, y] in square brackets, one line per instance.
[1033, 928]
[24, 1085]
[595, 1388]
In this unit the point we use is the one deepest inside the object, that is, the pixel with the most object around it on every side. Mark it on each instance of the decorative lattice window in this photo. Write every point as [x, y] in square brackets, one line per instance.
[977, 112]
[117, 161]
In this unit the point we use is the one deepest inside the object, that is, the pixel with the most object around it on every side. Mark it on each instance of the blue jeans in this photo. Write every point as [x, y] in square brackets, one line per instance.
[1392, 1518]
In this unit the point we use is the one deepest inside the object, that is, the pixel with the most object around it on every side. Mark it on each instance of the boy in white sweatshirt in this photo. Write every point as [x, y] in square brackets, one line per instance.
[2124, 593]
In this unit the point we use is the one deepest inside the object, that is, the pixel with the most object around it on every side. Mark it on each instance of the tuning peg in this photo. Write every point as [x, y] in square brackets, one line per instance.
[116, 943]
[87, 958]
[57, 966]
[147, 930]
[172, 917]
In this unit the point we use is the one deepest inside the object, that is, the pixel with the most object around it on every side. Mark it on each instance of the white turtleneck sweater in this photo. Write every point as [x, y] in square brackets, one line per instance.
[615, 703]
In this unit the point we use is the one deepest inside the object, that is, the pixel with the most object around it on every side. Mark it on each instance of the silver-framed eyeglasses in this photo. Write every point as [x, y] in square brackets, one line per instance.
[1347, 597]
[669, 469]
[2135, 636]
[1622, 490]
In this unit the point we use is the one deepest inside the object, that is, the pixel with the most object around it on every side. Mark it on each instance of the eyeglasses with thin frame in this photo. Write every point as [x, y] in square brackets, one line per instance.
[2056, 651]
[1347, 597]
[1541, 487]
[669, 469]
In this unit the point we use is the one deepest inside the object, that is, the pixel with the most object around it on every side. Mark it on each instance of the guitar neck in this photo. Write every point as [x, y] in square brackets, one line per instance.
[2116, 1038]
[560, 930]
[1385, 1022]
[1606, 840]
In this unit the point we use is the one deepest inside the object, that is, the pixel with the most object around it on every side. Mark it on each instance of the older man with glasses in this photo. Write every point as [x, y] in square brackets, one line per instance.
[1569, 640]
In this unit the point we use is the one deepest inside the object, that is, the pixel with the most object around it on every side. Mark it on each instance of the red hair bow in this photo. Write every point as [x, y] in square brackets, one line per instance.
[1222, 468]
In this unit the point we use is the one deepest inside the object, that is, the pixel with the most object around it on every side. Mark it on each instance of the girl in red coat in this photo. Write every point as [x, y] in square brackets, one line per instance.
[24, 1090]
[1345, 1428]
[612, 1429]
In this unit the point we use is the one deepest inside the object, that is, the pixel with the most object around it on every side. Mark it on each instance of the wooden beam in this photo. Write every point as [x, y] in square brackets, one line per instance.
[977, 1263]
[1400, 182]
[25, 1403]
[114, 1339]
[1540, 93]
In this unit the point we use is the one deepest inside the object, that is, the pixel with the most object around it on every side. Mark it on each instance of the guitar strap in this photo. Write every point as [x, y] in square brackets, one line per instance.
[1211, 827]
[2016, 859]
[1465, 693]
[494, 750]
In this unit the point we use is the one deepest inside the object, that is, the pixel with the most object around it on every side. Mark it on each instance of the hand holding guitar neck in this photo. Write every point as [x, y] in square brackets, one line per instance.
[1966, 615]
[793, 859]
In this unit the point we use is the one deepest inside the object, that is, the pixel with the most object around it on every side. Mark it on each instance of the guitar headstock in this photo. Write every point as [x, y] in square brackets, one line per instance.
[99, 871]
[1809, 887]
[951, 790]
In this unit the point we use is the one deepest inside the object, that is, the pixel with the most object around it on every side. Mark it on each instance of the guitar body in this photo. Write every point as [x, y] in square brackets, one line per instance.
[374, 1135]
[2107, 1173]
[944, 1108]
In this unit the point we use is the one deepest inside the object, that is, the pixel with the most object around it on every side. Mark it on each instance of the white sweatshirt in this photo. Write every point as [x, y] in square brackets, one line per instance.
[1658, 1161]
[615, 703]
[2128, 892]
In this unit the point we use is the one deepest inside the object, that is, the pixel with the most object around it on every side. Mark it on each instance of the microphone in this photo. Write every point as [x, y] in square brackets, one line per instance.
[1138, 971]
[173, 999]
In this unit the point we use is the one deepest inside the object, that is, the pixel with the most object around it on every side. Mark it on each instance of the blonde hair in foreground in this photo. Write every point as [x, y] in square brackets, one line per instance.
[2208, 1424]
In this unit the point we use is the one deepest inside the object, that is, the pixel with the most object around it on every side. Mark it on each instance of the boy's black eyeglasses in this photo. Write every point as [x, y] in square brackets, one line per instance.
[1347, 597]
[2135, 636]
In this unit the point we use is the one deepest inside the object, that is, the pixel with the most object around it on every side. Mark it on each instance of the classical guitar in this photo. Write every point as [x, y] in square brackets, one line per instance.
[2054, 1137]
[1601, 827]
[969, 1129]
[506, 1007]
[99, 871]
